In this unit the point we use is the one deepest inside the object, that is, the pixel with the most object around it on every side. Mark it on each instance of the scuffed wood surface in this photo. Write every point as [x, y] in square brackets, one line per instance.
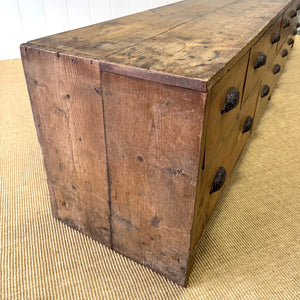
[196, 40]
[133, 134]
[67, 109]
[153, 144]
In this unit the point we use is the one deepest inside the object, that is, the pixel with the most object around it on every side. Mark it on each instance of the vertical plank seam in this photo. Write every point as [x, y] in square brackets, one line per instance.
[110, 14]
[90, 12]
[107, 165]
[45, 15]
[20, 15]
[68, 13]
[130, 6]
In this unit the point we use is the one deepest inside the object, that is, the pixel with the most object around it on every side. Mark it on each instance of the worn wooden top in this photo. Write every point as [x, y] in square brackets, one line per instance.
[190, 43]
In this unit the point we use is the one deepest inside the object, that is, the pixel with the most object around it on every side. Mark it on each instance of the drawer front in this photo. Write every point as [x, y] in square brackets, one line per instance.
[217, 171]
[224, 107]
[288, 41]
[267, 86]
[285, 50]
[289, 20]
[262, 54]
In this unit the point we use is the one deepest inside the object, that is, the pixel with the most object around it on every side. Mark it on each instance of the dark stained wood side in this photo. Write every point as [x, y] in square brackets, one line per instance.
[153, 148]
[67, 108]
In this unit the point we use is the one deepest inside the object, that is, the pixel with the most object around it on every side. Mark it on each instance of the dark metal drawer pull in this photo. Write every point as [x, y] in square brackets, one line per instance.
[276, 69]
[261, 60]
[294, 32]
[285, 53]
[298, 6]
[218, 180]
[248, 124]
[290, 42]
[298, 25]
[231, 101]
[276, 38]
[286, 23]
[265, 91]
[293, 14]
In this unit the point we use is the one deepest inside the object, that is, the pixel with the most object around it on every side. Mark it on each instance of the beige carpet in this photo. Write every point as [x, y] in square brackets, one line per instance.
[251, 249]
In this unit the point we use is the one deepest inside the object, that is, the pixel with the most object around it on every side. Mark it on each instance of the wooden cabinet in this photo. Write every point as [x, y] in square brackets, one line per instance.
[141, 119]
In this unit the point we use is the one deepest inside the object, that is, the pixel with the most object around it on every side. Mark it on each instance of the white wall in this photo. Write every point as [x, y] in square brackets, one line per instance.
[24, 20]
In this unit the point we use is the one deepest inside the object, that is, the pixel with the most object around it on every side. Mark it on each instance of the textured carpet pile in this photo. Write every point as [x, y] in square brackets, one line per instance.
[250, 250]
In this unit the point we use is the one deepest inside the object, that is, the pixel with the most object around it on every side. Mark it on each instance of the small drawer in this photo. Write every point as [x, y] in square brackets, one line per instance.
[225, 103]
[218, 169]
[267, 86]
[289, 42]
[262, 54]
[289, 21]
[284, 52]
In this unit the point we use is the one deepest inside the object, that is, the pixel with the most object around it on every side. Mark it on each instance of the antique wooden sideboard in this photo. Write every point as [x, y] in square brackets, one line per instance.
[142, 118]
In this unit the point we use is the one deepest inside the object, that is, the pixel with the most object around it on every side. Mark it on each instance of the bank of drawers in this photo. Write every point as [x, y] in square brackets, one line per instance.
[240, 97]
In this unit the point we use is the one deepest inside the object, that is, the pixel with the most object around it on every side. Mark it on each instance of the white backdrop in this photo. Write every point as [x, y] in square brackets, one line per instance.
[23, 20]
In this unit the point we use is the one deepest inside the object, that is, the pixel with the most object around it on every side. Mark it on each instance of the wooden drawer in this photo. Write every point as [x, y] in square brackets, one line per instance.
[286, 49]
[224, 161]
[261, 56]
[289, 21]
[236, 139]
[267, 86]
[223, 113]
[284, 53]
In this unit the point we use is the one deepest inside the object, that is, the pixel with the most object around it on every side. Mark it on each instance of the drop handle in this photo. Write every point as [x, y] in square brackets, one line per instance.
[298, 25]
[276, 69]
[294, 32]
[248, 124]
[290, 42]
[231, 101]
[265, 91]
[276, 38]
[285, 53]
[286, 23]
[293, 14]
[261, 60]
[218, 180]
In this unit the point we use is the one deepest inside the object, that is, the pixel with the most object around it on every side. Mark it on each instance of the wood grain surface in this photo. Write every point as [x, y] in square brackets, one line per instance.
[153, 145]
[67, 109]
[197, 41]
[129, 115]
